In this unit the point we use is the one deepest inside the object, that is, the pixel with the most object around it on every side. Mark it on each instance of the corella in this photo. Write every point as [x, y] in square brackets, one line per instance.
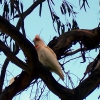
[47, 57]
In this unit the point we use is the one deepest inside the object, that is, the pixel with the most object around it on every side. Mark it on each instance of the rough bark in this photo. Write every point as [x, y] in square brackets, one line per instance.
[90, 39]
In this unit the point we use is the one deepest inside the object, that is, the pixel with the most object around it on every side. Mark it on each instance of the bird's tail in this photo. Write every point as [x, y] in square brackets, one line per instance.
[61, 74]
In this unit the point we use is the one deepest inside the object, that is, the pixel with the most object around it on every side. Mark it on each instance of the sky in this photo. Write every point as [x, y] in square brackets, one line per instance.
[43, 26]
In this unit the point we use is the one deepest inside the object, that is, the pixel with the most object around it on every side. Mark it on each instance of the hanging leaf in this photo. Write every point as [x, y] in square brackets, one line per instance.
[84, 5]
[1, 1]
[56, 17]
[71, 6]
[64, 8]
[52, 2]
[53, 18]
[61, 10]
[17, 2]
[6, 10]
[21, 7]
[62, 28]
[87, 3]
[74, 24]
[40, 10]
[68, 9]
[58, 26]
[11, 10]
[14, 48]
[69, 25]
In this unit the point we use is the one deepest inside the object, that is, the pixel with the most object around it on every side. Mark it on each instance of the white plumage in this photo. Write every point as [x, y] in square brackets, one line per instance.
[47, 57]
[12, 80]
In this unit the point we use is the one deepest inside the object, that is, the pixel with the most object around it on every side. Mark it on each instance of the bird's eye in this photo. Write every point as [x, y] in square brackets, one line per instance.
[37, 39]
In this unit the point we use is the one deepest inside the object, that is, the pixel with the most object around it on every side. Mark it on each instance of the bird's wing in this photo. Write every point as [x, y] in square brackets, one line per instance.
[51, 51]
[49, 57]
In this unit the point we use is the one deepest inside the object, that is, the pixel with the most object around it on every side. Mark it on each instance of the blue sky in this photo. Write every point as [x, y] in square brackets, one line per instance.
[43, 26]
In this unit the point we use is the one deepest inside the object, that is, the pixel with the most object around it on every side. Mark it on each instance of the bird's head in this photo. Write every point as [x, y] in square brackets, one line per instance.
[38, 42]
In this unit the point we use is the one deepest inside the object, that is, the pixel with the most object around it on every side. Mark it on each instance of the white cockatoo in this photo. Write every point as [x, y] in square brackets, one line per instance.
[47, 57]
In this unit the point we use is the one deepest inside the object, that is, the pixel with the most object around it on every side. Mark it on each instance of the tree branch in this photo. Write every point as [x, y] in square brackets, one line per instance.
[30, 53]
[73, 52]
[53, 85]
[77, 35]
[28, 11]
[89, 38]
[3, 72]
[20, 84]
[79, 93]
[32, 7]
[22, 42]
[13, 58]
[88, 85]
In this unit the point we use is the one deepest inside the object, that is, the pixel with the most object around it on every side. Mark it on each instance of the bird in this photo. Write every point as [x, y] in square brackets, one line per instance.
[11, 80]
[47, 57]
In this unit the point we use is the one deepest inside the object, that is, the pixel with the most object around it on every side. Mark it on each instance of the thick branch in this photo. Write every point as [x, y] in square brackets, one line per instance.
[79, 93]
[22, 82]
[3, 72]
[22, 42]
[29, 51]
[89, 38]
[13, 58]
[88, 85]
[77, 35]
[54, 86]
